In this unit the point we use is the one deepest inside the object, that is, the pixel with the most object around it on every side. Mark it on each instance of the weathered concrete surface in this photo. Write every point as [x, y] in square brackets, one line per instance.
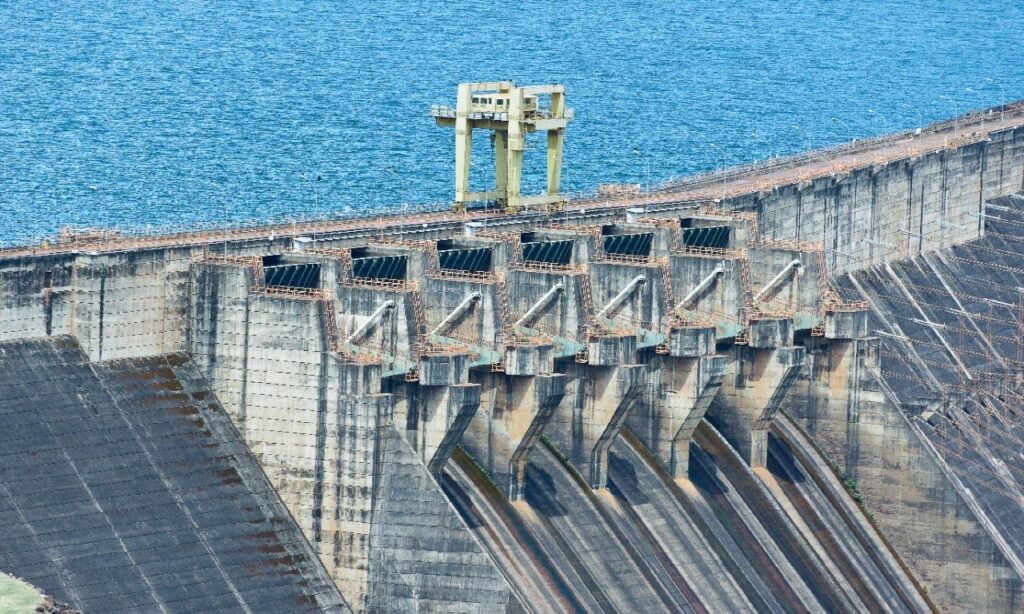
[816, 501]
[665, 421]
[219, 333]
[596, 403]
[719, 543]
[899, 416]
[319, 426]
[752, 392]
[435, 417]
[121, 305]
[423, 557]
[512, 417]
[904, 197]
[912, 499]
[637, 324]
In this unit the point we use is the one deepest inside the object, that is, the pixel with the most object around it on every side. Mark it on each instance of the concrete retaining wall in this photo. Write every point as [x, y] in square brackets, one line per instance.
[124, 305]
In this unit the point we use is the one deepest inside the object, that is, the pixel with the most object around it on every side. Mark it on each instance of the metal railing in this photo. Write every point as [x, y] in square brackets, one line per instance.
[198, 234]
[853, 147]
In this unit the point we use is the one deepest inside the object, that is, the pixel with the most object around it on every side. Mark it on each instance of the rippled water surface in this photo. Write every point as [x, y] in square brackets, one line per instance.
[125, 114]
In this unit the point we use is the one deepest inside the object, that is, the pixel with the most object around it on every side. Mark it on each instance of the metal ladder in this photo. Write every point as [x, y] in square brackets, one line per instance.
[588, 313]
[507, 331]
[503, 307]
[330, 322]
[419, 317]
[747, 311]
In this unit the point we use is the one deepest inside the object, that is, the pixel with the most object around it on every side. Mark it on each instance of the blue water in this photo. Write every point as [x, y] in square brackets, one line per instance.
[125, 114]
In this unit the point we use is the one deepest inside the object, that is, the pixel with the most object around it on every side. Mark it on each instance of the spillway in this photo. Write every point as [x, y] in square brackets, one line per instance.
[720, 542]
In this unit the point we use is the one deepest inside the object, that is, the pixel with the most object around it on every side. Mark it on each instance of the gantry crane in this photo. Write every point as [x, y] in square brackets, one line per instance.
[511, 113]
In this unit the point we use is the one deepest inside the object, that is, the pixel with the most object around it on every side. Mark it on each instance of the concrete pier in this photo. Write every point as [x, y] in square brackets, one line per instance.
[665, 423]
[512, 417]
[751, 396]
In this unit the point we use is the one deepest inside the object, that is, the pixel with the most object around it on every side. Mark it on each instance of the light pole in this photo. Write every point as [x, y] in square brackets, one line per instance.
[767, 138]
[981, 103]
[647, 164]
[920, 116]
[312, 183]
[885, 121]
[721, 165]
[1002, 97]
[224, 221]
[956, 111]
[849, 133]
[401, 185]
[805, 142]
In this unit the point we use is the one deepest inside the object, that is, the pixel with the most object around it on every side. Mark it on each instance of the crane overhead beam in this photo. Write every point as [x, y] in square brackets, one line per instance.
[509, 112]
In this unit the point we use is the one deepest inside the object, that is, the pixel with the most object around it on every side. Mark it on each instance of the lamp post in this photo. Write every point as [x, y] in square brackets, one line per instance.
[956, 111]
[647, 164]
[1002, 97]
[805, 142]
[885, 121]
[981, 103]
[401, 185]
[920, 116]
[224, 221]
[849, 133]
[721, 165]
[313, 183]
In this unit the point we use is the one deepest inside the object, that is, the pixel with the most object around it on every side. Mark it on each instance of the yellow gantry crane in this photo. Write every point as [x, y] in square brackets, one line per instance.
[511, 113]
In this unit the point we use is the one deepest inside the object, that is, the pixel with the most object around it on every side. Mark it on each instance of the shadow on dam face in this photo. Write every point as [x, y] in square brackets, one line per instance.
[625, 481]
[462, 501]
[542, 493]
[702, 478]
[792, 473]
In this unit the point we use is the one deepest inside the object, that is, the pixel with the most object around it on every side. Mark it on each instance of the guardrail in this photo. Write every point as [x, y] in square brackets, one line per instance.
[858, 146]
[200, 233]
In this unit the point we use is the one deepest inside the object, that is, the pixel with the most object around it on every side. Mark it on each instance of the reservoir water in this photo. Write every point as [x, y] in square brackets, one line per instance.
[165, 114]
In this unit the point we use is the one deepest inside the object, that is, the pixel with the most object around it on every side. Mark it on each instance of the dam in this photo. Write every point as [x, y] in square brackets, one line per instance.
[790, 386]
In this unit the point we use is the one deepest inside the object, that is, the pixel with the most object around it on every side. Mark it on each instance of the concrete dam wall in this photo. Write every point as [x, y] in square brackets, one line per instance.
[731, 396]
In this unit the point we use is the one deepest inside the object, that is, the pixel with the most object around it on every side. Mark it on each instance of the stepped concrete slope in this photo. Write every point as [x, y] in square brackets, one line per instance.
[125, 488]
[948, 355]
[788, 387]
